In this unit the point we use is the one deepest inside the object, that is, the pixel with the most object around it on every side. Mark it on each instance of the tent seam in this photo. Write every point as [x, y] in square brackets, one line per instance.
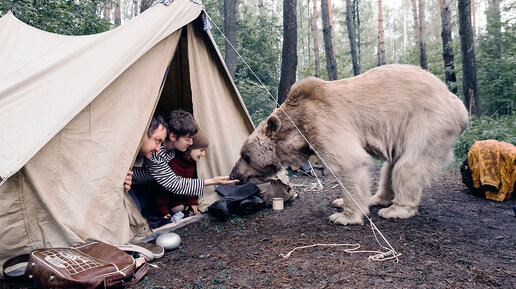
[24, 212]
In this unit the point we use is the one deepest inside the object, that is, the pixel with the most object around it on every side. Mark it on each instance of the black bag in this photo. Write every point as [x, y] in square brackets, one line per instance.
[467, 179]
[240, 200]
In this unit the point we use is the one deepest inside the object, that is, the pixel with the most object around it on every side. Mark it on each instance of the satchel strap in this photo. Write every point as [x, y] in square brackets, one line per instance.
[14, 268]
[137, 276]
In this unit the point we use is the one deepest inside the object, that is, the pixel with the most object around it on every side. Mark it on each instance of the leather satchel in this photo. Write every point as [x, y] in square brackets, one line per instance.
[91, 265]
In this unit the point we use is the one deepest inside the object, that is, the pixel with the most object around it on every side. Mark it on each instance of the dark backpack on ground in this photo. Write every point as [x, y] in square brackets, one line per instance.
[240, 200]
[467, 179]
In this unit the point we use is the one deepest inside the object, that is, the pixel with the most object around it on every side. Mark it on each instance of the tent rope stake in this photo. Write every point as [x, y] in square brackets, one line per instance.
[390, 250]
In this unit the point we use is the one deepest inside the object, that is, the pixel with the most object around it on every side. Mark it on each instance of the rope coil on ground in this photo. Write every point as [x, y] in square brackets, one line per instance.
[379, 256]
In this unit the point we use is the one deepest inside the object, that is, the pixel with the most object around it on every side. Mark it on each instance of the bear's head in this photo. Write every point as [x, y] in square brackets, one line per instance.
[258, 155]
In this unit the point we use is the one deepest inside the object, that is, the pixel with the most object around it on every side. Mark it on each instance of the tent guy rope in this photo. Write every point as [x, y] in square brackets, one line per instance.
[390, 249]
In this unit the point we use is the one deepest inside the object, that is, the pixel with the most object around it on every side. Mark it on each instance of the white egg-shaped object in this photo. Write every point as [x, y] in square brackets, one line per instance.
[169, 241]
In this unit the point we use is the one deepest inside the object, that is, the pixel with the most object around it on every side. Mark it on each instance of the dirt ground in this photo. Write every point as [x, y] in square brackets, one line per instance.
[455, 241]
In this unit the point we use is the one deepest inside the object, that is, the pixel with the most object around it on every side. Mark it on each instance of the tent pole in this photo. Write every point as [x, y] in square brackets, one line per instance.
[2, 181]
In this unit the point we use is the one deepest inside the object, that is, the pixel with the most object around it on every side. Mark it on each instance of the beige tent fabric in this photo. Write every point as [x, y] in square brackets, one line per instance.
[217, 114]
[51, 78]
[73, 111]
[71, 190]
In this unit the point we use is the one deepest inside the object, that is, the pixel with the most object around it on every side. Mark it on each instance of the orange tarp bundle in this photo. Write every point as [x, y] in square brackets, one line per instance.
[493, 167]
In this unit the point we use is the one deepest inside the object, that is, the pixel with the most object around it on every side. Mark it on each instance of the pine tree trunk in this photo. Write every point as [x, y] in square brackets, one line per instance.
[135, 8]
[448, 56]
[289, 50]
[118, 20]
[473, 15]
[356, 8]
[303, 54]
[331, 62]
[145, 4]
[316, 44]
[469, 62]
[381, 41]
[422, 42]
[351, 34]
[416, 24]
[107, 11]
[309, 29]
[330, 12]
[440, 12]
[230, 30]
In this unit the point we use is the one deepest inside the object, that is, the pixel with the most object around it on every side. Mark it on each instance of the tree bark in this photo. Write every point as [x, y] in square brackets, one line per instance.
[330, 12]
[356, 22]
[145, 4]
[303, 55]
[289, 50]
[448, 56]
[351, 34]
[469, 63]
[309, 29]
[316, 44]
[331, 62]
[118, 20]
[230, 29]
[422, 42]
[473, 15]
[107, 11]
[381, 41]
[416, 24]
[135, 8]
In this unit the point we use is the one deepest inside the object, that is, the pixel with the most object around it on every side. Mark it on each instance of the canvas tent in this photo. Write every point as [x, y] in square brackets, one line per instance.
[73, 110]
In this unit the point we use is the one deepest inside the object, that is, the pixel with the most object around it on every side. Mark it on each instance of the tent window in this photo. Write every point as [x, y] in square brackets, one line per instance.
[177, 93]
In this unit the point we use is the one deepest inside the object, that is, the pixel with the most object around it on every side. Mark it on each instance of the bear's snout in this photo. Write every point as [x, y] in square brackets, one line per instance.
[236, 174]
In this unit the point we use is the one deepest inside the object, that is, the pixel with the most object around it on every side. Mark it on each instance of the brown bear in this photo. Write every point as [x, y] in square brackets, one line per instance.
[400, 114]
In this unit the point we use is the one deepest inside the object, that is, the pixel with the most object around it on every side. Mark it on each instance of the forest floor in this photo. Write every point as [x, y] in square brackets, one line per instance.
[456, 240]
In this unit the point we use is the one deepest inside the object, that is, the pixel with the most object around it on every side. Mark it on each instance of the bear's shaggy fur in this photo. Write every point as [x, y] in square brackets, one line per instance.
[400, 114]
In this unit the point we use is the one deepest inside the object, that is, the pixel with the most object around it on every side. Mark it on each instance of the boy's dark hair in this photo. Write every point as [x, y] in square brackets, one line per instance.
[182, 123]
[154, 124]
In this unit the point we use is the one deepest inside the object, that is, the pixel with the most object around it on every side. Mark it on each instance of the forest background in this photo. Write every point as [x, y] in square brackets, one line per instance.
[278, 42]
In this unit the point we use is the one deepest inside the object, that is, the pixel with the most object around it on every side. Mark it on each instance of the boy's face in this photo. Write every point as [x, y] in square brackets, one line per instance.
[153, 143]
[181, 143]
[197, 154]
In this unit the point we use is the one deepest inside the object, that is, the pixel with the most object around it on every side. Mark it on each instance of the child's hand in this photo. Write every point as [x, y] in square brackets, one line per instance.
[221, 180]
[128, 180]
[195, 210]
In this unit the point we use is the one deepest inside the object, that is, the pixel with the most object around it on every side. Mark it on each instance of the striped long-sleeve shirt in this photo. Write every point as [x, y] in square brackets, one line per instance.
[156, 168]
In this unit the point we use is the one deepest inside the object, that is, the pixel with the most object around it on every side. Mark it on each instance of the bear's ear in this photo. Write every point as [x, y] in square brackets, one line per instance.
[273, 125]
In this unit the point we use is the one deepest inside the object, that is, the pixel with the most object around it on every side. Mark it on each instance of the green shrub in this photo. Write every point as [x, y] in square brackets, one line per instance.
[484, 128]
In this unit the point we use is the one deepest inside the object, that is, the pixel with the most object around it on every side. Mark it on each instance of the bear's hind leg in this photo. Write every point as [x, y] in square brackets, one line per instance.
[385, 194]
[409, 176]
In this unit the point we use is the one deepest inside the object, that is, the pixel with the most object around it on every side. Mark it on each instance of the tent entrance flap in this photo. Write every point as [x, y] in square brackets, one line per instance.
[177, 93]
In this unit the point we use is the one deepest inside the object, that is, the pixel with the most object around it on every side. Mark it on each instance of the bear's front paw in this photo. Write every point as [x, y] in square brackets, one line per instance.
[344, 219]
[400, 212]
[338, 203]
